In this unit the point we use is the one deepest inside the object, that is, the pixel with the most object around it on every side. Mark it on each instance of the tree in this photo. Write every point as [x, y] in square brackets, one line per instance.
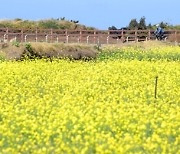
[17, 19]
[63, 18]
[163, 25]
[142, 23]
[149, 26]
[112, 28]
[133, 24]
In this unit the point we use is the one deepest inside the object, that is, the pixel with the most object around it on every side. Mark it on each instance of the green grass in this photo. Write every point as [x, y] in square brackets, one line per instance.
[132, 53]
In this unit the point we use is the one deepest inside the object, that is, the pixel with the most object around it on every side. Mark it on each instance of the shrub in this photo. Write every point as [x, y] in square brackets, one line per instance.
[16, 43]
[2, 56]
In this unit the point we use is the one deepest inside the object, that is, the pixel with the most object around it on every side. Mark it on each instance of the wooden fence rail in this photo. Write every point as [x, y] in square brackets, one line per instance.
[79, 36]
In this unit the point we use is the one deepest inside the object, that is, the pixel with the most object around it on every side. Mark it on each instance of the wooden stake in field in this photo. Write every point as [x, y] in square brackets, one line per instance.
[155, 89]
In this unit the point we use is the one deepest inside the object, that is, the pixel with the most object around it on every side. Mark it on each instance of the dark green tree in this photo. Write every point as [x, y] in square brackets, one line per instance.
[142, 23]
[164, 25]
[149, 26]
[133, 24]
[112, 28]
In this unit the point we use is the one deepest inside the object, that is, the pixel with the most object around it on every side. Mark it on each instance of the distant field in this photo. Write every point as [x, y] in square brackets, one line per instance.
[102, 106]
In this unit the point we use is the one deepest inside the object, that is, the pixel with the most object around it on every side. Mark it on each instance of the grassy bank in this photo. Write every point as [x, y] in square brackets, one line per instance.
[16, 51]
[60, 23]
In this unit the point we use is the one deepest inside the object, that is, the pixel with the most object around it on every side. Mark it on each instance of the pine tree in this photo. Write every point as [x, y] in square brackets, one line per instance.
[142, 23]
[133, 24]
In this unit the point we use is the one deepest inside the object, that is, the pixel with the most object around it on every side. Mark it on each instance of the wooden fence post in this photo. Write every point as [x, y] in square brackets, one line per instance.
[25, 38]
[67, 39]
[87, 40]
[51, 35]
[122, 35]
[22, 36]
[80, 38]
[149, 34]
[155, 87]
[47, 38]
[94, 37]
[66, 32]
[107, 39]
[127, 39]
[175, 35]
[36, 35]
[7, 33]
[136, 37]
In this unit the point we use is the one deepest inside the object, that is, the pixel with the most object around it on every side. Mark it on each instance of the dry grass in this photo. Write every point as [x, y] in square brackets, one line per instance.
[143, 45]
[49, 50]
[73, 51]
[11, 52]
[42, 24]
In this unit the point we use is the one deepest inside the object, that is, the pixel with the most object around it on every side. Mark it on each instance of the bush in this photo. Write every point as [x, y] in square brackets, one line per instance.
[16, 43]
[49, 24]
[2, 56]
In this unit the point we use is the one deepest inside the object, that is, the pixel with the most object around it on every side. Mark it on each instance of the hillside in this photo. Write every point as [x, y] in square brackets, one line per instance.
[60, 23]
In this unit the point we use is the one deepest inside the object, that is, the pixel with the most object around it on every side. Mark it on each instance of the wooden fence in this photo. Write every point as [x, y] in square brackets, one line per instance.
[80, 36]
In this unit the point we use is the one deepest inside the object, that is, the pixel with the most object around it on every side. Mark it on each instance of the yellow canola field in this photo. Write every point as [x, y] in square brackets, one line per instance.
[89, 107]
